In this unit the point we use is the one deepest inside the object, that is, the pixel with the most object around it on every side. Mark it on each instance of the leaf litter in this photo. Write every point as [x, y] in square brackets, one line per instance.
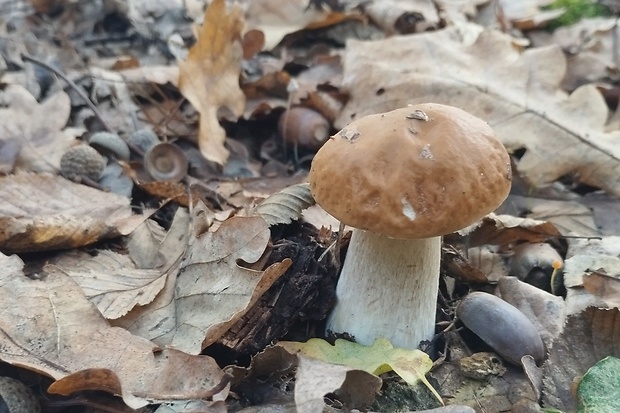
[241, 265]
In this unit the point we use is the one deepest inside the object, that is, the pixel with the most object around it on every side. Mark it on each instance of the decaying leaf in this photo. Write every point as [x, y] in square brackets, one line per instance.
[38, 127]
[404, 16]
[591, 48]
[287, 205]
[43, 212]
[313, 379]
[316, 378]
[603, 286]
[61, 334]
[212, 291]
[195, 406]
[276, 19]
[586, 255]
[381, 357]
[587, 338]
[517, 92]
[460, 267]
[209, 77]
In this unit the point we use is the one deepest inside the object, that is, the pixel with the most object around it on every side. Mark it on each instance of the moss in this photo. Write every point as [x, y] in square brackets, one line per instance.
[397, 396]
[577, 10]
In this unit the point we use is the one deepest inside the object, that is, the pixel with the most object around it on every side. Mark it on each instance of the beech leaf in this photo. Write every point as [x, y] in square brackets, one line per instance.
[517, 91]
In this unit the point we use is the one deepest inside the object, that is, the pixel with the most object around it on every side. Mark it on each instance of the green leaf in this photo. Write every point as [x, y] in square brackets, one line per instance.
[381, 357]
[599, 389]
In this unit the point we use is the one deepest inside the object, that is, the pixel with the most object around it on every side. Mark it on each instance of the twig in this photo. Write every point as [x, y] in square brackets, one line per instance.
[73, 85]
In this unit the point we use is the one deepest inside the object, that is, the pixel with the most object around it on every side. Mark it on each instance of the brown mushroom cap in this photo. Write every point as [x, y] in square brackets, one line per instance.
[417, 172]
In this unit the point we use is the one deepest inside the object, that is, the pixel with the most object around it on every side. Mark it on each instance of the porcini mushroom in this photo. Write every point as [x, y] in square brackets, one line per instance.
[403, 179]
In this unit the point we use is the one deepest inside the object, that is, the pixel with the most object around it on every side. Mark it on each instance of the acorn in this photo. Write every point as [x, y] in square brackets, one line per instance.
[110, 144]
[500, 325]
[82, 161]
[304, 127]
[143, 139]
[15, 397]
[166, 162]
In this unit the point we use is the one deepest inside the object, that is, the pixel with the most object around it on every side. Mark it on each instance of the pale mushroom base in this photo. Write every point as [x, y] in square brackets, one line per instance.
[388, 288]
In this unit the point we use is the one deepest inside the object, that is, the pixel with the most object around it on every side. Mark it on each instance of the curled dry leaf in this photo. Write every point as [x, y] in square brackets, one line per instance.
[37, 127]
[517, 92]
[212, 291]
[287, 205]
[61, 334]
[43, 212]
[570, 217]
[503, 230]
[209, 77]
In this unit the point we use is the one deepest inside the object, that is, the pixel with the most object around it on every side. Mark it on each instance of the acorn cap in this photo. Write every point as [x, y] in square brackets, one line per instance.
[417, 172]
[80, 161]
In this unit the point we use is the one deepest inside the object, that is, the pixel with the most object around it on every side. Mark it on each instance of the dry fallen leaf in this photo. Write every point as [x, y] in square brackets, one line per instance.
[61, 334]
[209, 77]
[504, 230]
[117, 283]
[404, 16]
[517, 92]
[276, 19]
[591, 46]
[315, 378]
[604, 286]
[43, 212]
[111, 281]
[212, 290]
[587, 338]
[38, 127]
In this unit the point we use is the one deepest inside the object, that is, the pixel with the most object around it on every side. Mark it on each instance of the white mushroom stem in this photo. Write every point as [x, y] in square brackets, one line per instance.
[388, 288]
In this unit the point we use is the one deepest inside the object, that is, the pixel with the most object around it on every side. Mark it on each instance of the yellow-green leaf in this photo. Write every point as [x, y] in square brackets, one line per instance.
[381, 357]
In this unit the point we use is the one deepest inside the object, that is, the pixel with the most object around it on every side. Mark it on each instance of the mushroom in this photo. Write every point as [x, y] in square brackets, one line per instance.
[403, 179]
